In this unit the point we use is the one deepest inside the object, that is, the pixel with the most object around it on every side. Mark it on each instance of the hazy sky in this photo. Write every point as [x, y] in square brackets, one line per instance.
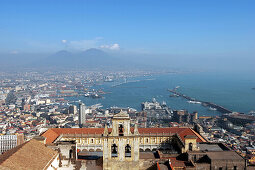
[193, 27]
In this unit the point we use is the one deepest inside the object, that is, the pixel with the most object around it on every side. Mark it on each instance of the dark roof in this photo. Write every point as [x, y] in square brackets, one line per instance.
[224, 155]
[146, 155]
[209, 147]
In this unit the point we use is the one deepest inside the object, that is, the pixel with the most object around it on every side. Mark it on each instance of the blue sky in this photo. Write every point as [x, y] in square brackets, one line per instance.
[183, 27]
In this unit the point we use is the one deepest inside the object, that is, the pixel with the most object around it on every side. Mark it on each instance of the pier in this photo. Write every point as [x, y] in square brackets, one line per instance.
[125, 82]
[204, 103]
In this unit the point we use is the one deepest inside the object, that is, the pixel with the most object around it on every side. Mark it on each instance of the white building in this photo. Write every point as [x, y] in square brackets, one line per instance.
[82, 114]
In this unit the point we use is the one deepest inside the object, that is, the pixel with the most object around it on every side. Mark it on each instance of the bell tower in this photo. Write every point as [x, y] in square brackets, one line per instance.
[121, 146]
[121, 125]
[190, 143]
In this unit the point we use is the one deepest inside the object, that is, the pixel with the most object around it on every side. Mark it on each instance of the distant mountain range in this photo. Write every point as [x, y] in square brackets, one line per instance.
[97, 59]
[92, 59]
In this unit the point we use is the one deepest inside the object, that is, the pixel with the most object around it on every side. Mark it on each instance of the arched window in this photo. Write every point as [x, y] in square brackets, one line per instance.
[127, 151]
[121, 130]
[114, 150]
[70, 153]
[154, 140]
[190, 146]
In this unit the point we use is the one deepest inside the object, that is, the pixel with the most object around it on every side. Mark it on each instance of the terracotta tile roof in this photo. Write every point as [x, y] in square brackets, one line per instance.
[78, 130]
[176, 163]
[7, 154]
[182, 132]
[199, 136]
[52, 134]
[160, 130]
[189, 131]
[30, 155]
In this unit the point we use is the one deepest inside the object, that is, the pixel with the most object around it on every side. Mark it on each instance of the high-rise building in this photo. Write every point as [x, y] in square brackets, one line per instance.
[72, 109]
[82, 114]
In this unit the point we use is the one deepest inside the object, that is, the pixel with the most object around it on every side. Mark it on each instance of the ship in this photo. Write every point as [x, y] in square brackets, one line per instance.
[174, 95]
[93, 95]
[212, 108]
[108, 79]
[194, 102]
[87, 94]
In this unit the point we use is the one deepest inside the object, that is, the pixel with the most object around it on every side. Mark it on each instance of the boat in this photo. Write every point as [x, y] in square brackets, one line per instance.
[194, 102]
[99, 105]
[87, 94]
[95, 96]
[212, 108]
[174, 95]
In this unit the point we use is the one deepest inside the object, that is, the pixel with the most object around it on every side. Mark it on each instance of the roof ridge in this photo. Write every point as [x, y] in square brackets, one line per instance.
[198, 135]
[6, 155]
[53, 130]
[35, 154]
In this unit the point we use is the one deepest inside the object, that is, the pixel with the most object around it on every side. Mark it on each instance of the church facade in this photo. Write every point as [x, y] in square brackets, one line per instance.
[121, 145]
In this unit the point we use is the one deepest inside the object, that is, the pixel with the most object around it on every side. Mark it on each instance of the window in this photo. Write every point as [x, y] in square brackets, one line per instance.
[195, 158]
[190, 146]
[220, 168]
[235, 167]
[70, 153]
[114, 150]
[127, 151]
[92, 140]
[121, 130]
[147, 140]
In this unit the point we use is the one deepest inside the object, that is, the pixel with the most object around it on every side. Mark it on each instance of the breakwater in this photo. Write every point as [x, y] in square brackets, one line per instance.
[211, 105]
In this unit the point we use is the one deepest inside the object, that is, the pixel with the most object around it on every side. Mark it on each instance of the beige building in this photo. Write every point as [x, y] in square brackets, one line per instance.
[121, 145]
[122, 148]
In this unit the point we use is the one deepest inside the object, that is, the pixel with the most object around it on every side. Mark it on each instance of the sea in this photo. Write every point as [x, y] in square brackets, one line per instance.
[231, 91]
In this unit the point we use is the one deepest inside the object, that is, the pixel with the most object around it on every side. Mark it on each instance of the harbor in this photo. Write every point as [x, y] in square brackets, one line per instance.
[210, 105]
[138, 92]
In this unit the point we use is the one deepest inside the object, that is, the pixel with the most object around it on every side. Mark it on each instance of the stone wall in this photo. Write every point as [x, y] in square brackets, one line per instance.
[228, 164]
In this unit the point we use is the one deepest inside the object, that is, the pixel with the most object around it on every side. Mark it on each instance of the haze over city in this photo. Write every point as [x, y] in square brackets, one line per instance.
[211, 35]
[127, 84]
